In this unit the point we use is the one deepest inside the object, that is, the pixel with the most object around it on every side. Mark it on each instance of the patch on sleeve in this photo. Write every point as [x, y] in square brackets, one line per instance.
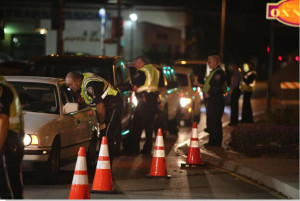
[90, 91]
[217, 77]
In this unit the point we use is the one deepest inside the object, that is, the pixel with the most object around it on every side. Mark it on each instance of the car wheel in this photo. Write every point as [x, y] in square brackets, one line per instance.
[54, 160]
[92, 153]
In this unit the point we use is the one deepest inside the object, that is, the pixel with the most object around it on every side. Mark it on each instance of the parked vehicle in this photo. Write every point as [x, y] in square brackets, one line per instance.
[113, 69]
[189, 96]
[55, 125]
[168, 117]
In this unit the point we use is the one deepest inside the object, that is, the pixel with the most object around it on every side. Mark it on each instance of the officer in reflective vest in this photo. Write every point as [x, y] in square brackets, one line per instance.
[247, 87]
[11, 142]
[102, 97]
[146, 86]
[214, 89]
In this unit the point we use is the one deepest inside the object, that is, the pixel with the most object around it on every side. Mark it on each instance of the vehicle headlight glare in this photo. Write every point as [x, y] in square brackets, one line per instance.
[134, 100]
[27, 140]
[31, 139]
[185, 101]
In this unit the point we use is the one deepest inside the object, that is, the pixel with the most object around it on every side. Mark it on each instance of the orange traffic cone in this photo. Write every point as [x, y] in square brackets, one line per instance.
[80, 183]
[103, 179]
[193, 156]
[158, 165]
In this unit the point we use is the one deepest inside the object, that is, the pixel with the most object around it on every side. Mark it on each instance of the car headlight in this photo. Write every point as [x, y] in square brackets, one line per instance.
[185, 101]
[30, 139]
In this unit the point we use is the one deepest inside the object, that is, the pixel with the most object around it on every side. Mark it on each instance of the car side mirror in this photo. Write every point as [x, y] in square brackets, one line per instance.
[70, 107]
[125, 87]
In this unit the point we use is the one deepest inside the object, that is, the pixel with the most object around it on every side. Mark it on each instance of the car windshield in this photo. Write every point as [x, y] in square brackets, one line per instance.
[60, 68]
[37, 97]
[182, 80]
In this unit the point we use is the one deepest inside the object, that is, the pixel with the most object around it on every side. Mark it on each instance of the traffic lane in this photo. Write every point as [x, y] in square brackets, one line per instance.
[131, 182]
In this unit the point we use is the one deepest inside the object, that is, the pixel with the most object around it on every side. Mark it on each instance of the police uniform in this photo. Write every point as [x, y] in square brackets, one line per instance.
[235, 93]
[146, 79]
[94, 90]
[247, 86]
[11, 185]
[215, 86]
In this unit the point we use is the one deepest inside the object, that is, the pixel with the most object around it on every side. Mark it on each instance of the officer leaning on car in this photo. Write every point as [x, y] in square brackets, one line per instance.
[104, 99]
[145, 83]
[11, 142]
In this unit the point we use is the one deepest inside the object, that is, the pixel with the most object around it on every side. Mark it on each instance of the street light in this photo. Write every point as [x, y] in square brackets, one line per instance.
[133, 17]
[102, 15]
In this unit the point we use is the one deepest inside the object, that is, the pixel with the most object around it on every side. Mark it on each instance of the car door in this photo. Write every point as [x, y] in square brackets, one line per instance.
[79, 125]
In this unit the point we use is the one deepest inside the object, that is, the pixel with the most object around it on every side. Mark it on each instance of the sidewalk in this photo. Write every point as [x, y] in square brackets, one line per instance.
[279, 174]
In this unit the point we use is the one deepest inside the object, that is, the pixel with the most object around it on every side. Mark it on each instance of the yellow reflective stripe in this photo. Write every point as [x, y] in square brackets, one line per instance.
[14, 120]
[147, 88]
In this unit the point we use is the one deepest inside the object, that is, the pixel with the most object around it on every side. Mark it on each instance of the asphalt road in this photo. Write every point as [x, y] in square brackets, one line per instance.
[131, 182]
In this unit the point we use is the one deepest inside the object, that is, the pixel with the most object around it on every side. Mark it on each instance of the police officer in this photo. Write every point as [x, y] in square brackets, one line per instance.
[145, 83]
[235, 93]
[213, 90]
[102, 97]
[247, 86]
[11, 142]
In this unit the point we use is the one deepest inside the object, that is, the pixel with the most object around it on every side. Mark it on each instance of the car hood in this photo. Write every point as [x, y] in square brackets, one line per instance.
[33, 121]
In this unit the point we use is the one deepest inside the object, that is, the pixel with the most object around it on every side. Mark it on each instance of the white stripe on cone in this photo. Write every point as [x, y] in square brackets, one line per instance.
[81, 163]
[159, 141]
[103, 165]
[80, 179]
[159, 153]
[104, 150]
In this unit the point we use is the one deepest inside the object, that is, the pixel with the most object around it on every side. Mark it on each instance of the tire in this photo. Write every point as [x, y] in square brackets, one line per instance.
[92, 153]
[53, 164]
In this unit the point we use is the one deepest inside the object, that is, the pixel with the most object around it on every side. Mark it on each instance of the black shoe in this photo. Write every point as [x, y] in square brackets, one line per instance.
[207, 145]
[143, 151]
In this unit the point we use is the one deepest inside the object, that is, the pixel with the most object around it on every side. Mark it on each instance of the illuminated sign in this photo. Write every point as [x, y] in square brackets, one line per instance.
[285, 11]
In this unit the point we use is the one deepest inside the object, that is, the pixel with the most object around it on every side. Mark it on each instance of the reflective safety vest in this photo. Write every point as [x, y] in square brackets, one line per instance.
[248, 87]
[206, 86]
[16, 121]
[152, 79]
[107, 90]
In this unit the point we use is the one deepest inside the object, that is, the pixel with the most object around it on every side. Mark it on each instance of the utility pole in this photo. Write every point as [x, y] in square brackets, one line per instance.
[58, 23]
[269, 95]
[118, 29]
[223, 15]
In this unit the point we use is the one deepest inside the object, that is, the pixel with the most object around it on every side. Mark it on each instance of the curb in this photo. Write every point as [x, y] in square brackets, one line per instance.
[238, 168]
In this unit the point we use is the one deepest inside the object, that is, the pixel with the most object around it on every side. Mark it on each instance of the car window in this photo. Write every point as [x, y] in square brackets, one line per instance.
[67, 96]
[37, 97]
[121, 73]
[182, 79]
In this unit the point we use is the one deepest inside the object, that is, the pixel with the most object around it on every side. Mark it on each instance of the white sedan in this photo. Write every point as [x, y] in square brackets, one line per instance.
[55, 125]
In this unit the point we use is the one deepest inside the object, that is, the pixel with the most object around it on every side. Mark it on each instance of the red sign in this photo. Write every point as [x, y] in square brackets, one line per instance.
[285, 11]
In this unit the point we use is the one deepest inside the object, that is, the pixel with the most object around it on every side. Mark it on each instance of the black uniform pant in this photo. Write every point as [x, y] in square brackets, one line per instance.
[247, 109]
[11, 181]
[214, 112]
[144, 117]
[234, 106]
[113, 129]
